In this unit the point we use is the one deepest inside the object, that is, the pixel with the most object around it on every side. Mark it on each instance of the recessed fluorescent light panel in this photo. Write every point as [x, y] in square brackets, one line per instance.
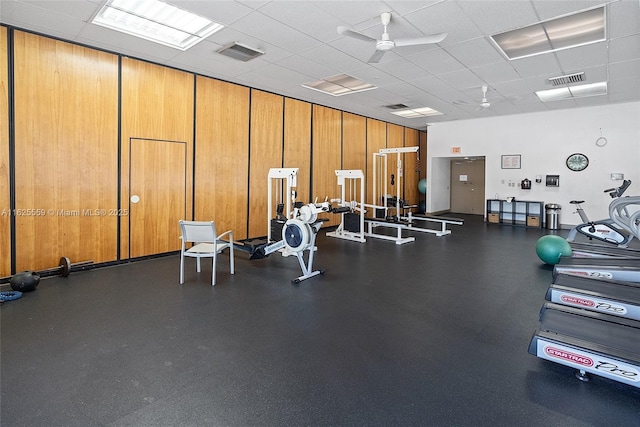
[342, 84]
[581, 91]
[156, 21]
[561, 33]
[412, 113]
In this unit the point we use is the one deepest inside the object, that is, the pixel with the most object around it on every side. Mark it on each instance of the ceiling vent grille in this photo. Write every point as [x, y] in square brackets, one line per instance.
[396, 106]
[239, 51]
[568, 79]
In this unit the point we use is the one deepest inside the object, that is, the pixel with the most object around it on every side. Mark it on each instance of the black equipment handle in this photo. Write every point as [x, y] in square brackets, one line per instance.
[618, 192]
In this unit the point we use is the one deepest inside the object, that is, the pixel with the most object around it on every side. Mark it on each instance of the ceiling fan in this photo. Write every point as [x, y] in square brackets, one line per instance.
[385, 43]
[484, 103]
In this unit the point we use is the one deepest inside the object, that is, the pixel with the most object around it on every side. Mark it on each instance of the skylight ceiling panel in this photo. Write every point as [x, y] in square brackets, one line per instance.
[552, 9]
[579, 29]
[523, 42]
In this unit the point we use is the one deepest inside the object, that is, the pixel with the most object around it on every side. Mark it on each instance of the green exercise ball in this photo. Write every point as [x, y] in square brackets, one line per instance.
[551, 247]
[422, 186]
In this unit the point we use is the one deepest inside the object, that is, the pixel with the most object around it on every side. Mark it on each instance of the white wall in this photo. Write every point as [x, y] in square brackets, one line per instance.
[544, 140]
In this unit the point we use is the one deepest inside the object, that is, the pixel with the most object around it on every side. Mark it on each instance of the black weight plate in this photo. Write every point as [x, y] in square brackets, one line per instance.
[65, 266]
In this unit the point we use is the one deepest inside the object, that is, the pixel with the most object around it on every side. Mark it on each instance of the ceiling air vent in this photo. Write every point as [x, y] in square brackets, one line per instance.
[568, 79]
[396, 106]
[239, 51]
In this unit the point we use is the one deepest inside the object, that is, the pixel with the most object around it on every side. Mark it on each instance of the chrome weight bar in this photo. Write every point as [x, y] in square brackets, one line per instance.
[64, 268]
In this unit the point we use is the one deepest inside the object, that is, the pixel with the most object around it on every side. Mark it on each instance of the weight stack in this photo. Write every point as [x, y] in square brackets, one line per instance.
[276, 229]
[352, 222]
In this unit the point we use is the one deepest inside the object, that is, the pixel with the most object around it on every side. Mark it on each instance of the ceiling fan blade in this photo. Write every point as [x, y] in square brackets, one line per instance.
[376, 57]
[434, 38]
[350, 33]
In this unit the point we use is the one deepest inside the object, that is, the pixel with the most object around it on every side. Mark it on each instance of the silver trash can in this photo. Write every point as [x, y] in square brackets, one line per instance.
[552, 216]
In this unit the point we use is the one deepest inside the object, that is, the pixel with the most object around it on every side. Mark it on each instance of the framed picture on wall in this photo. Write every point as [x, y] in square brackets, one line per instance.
[511, 161]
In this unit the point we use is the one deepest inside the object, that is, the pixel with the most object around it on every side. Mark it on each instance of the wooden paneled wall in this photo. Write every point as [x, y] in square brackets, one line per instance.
[412, 167]
[5, 214]
[376, 139]
[66, 124]
[267, 129]
[354, 149]
[93, 129]
[297, 144]
[222, 155]
[157, 105]
[327, 156]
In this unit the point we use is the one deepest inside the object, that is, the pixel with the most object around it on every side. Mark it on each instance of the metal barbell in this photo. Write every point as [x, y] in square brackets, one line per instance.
[64, 268]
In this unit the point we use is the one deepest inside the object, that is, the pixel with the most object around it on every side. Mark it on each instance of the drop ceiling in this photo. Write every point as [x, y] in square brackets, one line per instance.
[302, 45]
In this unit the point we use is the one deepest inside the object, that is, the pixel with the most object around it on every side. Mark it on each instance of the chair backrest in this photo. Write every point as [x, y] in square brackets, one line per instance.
[198, 231]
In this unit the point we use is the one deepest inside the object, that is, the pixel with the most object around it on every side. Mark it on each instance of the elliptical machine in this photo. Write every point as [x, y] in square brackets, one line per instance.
[607, 230]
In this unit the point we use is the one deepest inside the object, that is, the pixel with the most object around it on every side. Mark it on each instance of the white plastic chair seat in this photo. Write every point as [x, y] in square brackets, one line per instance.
[207, 244]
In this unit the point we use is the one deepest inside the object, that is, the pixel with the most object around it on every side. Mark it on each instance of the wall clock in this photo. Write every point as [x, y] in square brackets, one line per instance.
[577, 162]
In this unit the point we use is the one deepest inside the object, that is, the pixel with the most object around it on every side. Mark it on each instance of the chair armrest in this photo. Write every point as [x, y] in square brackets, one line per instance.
[230, 233]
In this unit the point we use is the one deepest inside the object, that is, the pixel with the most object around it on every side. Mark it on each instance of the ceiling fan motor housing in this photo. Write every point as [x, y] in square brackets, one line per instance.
[385, 45]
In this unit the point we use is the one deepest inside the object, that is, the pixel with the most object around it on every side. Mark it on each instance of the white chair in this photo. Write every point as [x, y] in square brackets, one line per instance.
[207, 244]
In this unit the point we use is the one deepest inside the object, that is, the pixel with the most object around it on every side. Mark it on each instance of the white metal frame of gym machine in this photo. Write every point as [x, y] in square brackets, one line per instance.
[348, 179]
[403, 222]
[301, 225]
[276, 178]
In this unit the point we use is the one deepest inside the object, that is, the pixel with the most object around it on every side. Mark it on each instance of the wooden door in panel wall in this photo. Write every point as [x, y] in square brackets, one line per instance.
[327, 156]
[467, 186]
[157, 105]
[158, 199]
[5, 220]
[66, 143]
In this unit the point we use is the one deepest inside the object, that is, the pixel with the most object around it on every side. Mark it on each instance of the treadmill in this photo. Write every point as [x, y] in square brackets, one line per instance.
[605, 296]
[602, 268]
[591, 342]
[593, 250]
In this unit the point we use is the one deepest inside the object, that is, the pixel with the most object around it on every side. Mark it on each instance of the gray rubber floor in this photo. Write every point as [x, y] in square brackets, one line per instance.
[431, 333]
